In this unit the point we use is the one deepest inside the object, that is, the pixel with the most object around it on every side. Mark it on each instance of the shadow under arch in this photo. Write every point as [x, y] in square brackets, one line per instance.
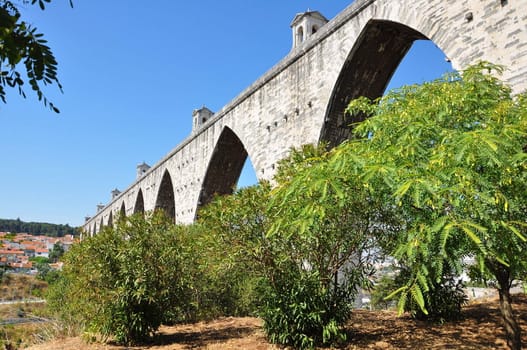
[366, 72]
[122, 212]
[139, 206]
[110, 219]
[224, 168]
[165, 197]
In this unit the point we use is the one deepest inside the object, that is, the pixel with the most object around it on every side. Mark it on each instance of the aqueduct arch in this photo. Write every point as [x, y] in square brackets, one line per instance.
[165, 197]
[224, 167]
[371, 63]
[122, 212]
[139, 206]
[110, 219]
[302, 98]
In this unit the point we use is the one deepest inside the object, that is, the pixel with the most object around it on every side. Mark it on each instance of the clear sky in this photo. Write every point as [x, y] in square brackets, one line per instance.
[132, 74]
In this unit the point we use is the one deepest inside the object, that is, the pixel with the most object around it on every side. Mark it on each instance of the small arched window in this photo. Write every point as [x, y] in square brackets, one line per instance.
[300, 35]
[314, 29]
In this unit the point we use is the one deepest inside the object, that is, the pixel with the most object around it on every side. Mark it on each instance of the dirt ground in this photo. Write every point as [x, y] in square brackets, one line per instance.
[480, 329]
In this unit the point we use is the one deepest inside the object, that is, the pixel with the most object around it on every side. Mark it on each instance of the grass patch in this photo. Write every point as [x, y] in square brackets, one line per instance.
[18, 286]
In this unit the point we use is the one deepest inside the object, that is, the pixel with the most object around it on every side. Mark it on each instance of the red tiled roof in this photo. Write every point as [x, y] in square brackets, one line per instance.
[11, 252]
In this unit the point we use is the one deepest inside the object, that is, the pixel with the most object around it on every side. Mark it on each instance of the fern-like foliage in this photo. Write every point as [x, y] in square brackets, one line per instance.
[22, 44]
[452, 155]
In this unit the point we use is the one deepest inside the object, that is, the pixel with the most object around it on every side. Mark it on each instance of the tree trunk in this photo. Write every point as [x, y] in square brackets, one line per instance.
[512, 328]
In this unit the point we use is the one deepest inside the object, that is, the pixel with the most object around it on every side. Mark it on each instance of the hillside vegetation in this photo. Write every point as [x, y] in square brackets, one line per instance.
[19, 296]
[36, 228]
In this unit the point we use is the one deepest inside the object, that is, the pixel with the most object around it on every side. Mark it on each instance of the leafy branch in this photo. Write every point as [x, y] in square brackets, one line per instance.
[22, 44]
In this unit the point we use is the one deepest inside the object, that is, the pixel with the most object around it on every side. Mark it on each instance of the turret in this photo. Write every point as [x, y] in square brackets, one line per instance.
[115, 193]
[305, 25]
[141, 170]
[200, 117]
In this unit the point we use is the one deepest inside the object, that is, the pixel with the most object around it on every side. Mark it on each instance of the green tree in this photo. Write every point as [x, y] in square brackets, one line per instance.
[234, 250]
[46, 273]
[36, 228]
[323, 231]
[56, 252]
[449, 157]
[20, 43]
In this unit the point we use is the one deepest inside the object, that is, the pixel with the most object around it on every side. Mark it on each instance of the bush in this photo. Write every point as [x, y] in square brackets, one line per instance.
[298, 311]
[381, 290]
[231, 235]
[46, 273]
[443, 301]
[123, 282]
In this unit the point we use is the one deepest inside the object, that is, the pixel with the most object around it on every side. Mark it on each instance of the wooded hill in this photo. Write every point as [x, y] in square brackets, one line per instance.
[36, 228]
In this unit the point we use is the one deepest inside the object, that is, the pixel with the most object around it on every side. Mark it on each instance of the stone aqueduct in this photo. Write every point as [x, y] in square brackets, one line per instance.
[302, 98]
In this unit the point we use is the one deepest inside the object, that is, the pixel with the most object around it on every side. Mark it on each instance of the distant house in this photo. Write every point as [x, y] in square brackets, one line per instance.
[20, 237]
[29, 251]
[11, 256]
[67, 242]
[15, 252]
[21, 266]
[12, 245]
[42, 252]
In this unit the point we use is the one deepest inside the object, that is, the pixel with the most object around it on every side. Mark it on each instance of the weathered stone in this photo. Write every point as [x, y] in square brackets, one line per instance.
[302, 98]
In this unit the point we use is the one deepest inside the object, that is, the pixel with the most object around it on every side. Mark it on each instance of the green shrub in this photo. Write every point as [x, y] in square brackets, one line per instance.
[384, 287]
[298, 311]
[123, 282]
[443, 301]
[231, 235]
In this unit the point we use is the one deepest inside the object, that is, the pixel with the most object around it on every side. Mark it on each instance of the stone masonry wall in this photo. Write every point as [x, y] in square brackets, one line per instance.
[288, 106]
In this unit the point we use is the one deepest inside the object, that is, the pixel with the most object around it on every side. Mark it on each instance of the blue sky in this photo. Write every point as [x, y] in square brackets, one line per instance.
[132, 74]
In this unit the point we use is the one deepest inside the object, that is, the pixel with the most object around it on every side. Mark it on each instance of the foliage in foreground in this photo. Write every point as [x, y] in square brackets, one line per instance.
[22, 44]
[122, 282]
[443, 301]
[234, 250]
[435, 174]
[125, 281]
[306, 280]
[318, 264]
[449, 157]
[303, 283]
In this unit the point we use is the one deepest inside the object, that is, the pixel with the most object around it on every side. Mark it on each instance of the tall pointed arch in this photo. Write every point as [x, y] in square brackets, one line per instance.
[224, 167]
[101, 225]
[165, 197]
[122, 212]
[110, 219]
[139, 206]
[366, 72]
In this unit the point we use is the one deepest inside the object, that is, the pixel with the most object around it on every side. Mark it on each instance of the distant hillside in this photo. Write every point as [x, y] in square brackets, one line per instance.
[36, 228]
